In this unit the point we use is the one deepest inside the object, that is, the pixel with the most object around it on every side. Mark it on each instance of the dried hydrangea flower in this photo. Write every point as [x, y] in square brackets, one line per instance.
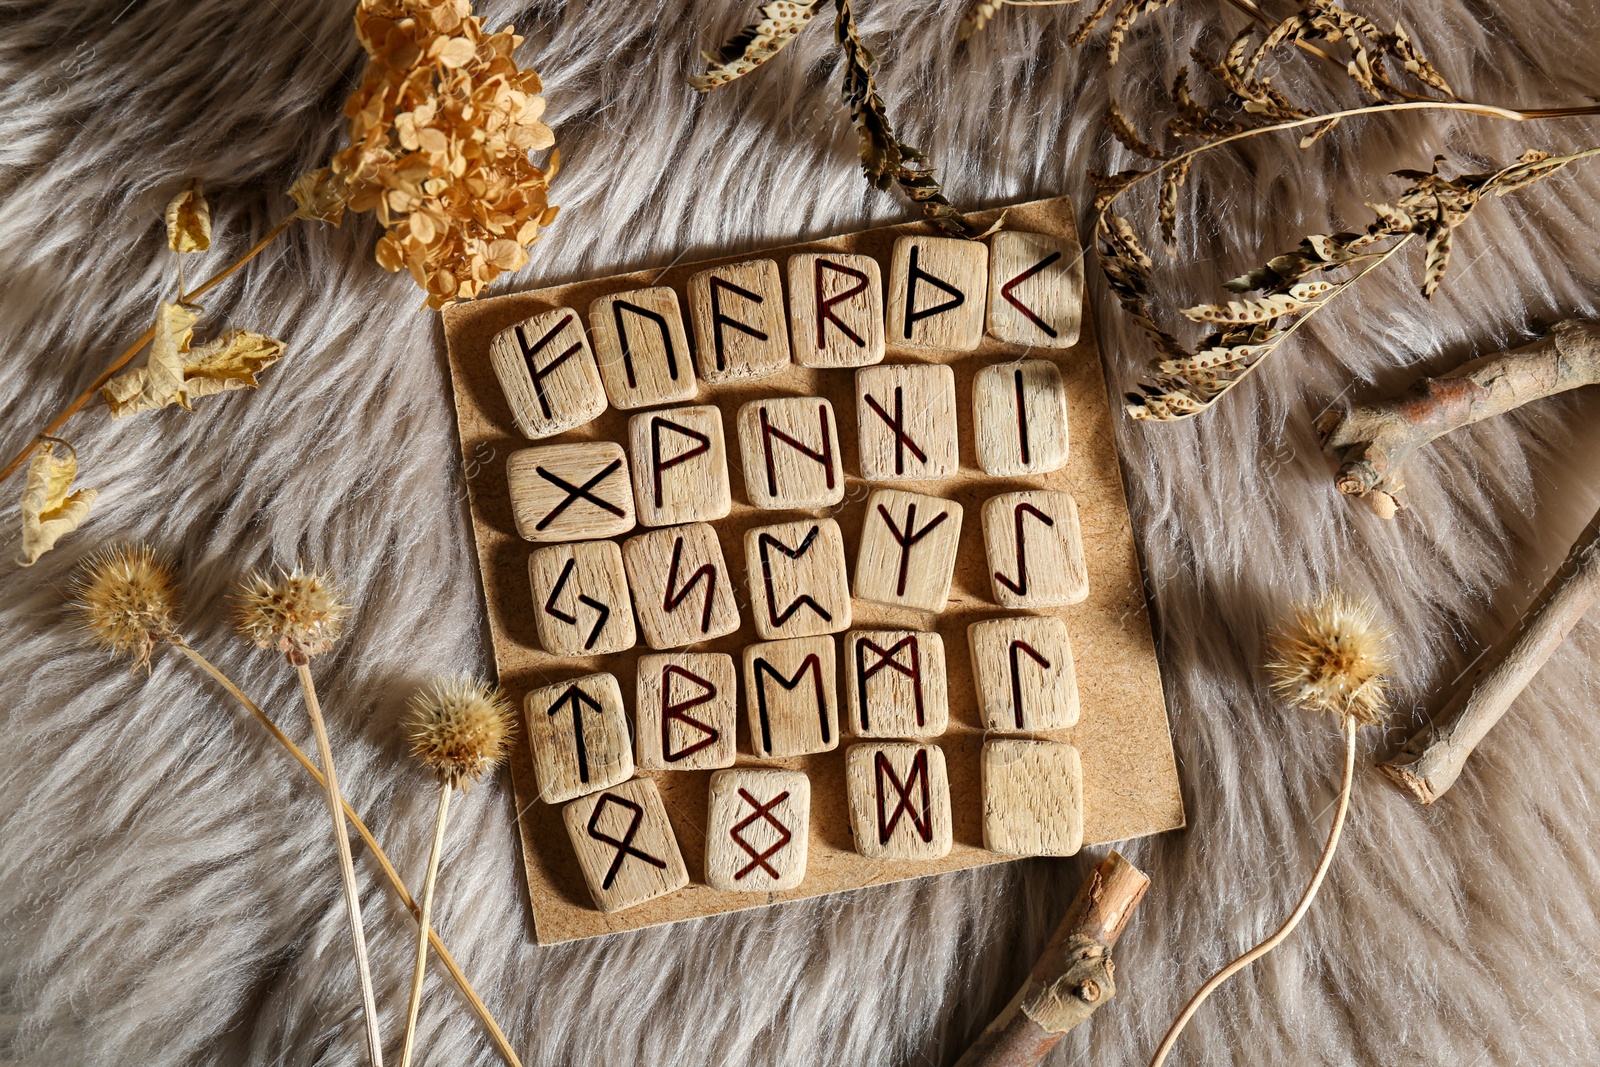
[440, 131]
[128, 598]
[300, 613]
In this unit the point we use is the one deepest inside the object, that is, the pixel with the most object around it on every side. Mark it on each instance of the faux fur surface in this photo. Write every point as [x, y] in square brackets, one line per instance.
[165, 883]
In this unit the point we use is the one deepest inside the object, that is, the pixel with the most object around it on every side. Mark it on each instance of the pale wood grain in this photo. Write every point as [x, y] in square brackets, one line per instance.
[835, 309]
[1035, 289]
[682, 588]
[680, 466]
[906, 422]
[548, 373]
[1032, 797]
[1019, 418]
[758, 827]
[937, 290]
[570, 492]
[1023, 673]
[740, 330]
[798, 583]
[580, 599]
[642, 348]
[907, 553]
[1035, 549]
[790, 452]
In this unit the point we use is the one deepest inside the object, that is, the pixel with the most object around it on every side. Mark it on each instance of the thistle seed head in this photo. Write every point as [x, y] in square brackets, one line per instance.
[128, 599]
[1333, 654]
[300, 613]
[460, 727]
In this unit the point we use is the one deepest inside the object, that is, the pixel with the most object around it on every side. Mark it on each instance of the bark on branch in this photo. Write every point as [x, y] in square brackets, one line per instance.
[1372, 443]
[1072, 978]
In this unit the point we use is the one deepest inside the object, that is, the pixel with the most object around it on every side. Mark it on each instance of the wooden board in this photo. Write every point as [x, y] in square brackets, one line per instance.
[1130, 781]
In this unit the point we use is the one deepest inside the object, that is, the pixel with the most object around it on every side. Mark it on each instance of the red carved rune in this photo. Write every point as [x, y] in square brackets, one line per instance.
[1021, 512]
[897, 426]
[659, 465]
[672, 598]
[675, 711]
[1010, 298]
[888, 657]
[804, 600]
[887, 821]
[623, 844]
[719, 320]
[539, 374]
[908, 537]
[825, 305]
[822, 455]
[1016, 674]
[760, 811]
[810, 665]
[916, 274]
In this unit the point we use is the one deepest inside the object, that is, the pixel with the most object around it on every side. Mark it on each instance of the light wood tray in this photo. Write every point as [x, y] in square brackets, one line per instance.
[1130, 778]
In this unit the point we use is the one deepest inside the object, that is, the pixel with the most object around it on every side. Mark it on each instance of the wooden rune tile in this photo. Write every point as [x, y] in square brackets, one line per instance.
[791, 696]
[757, 830]
[835, 310]
[581, 605]
[548, 373]
[1035, 549]
[740, 330]
[798, 583]
[1022, 671]
[574, 492]
[790, 450]
[1032, 797]
[1035, 289]
[937, 289]
[642, 348]
[579, 737]
[682, 588]
[899, 800]
[908, 550]
[687, 712]
[895, 684]
[1019, 418]
[680, 466]
[906, 420]
[625, 845]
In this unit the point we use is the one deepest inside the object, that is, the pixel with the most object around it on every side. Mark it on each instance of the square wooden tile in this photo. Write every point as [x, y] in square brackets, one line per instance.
[740, 330]
[1022, 671]
[1032, 797]
[835, 309]
[1035, 549]
[625, 845]
[574, 492]
[687, 711]
[1035, 289]
[908, 547]
[1019, 418]
[906, 422]
[682, 588]
[680, 466]
[790, 450]
[580, 599]
[548, 373]
[937, 289]
[798, 583]
[896, 684]
[579, 736]
[791, 696]
[757, 830]
[642, 348]
[899, 797]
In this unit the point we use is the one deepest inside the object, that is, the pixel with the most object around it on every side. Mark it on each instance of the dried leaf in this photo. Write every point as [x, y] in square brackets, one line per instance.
[1131, 13]
[1170, 185]
[1081, 33]
[1438, 260]
[50, 509]
[189, 220]
[1262, 310]
[320, 196]
[755, 44]
[175, 373]
[1123, 131]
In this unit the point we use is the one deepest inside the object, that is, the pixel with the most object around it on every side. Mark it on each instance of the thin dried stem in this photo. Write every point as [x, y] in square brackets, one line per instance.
[1216, 980]
[347, 868]
[127, 354]
[440, 951]
[415, 1006]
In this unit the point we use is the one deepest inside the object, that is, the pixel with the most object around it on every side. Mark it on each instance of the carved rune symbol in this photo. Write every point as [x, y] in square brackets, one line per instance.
[908, 537]
[623, 844]
[578, 492]
[1016, 674]
[763, 670]
[804, 600]
[1020, 586]
[825, 312]
[677, 711]
[570, 619]
[719, 320]
[897, 426]
[660, 320]
[579, 700]
[887, 821]
[823, 455]
[1010, 298]
[888, 657]
[916, 274]
[673, 597]
[659, 465]
[760, 811]
[537, 373]
[1022, 416]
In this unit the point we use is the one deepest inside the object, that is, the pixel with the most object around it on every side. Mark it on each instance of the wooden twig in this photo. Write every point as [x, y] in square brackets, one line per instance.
[414, 1008]
[1373, 442]
[1431, 761]
[1072, 978]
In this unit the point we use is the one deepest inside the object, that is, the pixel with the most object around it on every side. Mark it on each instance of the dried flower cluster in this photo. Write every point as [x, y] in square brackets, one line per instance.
[300, 613]
[1333, 656]
[440, 132]
[128, 599]
[460, 728]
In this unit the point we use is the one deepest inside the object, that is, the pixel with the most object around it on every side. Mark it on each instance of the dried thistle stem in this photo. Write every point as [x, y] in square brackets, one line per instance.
[347, 868]
[440, 951]
[1350, 727]
[414, 1008]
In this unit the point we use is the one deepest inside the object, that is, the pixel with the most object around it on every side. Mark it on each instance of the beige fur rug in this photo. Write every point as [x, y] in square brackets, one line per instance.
[164, 878]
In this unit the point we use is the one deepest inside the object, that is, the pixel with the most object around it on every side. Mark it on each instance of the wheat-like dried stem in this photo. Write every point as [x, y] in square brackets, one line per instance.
[440, 951]
[415, 1006]
[1350, 727]
[347, 868]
